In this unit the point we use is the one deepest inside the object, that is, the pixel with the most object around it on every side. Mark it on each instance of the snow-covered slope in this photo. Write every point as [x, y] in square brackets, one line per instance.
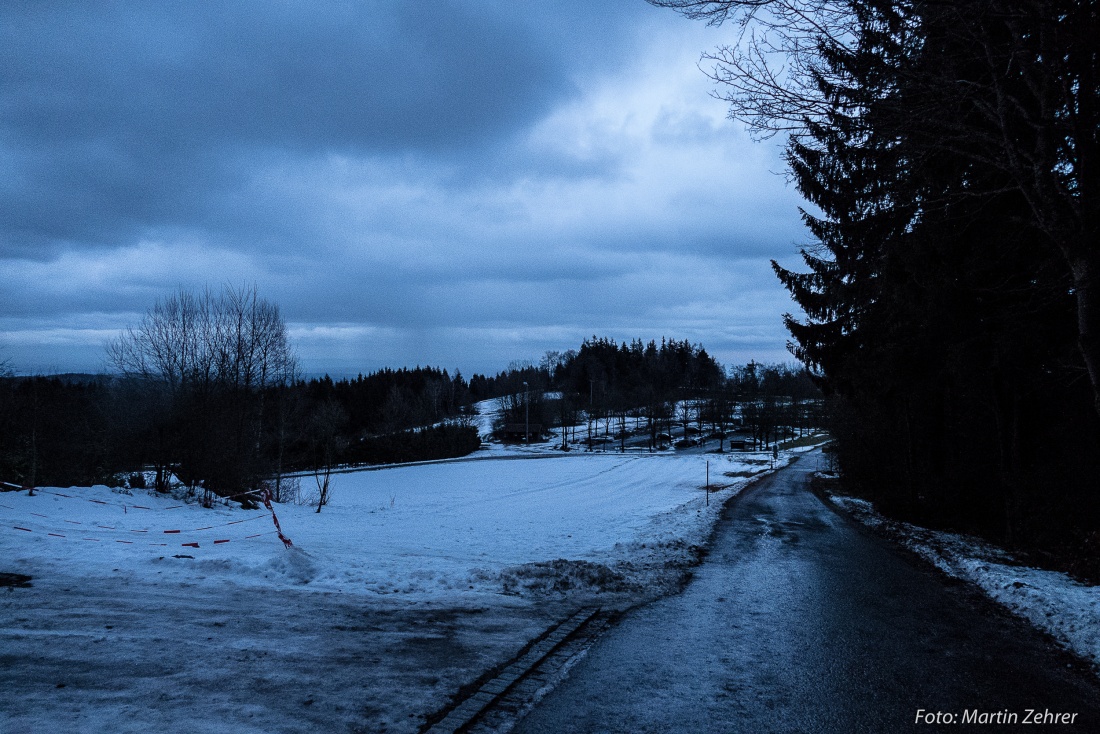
[423, 530]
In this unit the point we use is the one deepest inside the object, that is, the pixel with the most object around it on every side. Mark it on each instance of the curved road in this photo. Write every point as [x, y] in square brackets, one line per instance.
[800, 622]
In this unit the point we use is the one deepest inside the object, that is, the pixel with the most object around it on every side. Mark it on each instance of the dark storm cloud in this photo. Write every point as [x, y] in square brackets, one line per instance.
[123, 118]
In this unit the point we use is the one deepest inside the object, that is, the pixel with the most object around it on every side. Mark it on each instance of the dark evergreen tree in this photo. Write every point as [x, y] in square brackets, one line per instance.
[950, 297]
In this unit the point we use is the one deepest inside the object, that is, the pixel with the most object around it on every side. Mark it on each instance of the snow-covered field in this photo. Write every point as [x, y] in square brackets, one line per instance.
[1069, 611]
[152, 613]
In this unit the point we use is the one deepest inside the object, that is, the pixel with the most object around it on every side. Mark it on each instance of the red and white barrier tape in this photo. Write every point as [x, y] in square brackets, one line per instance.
[266, 498]
[147, 530]
[278, 529]
[194, 544]
[125, 507]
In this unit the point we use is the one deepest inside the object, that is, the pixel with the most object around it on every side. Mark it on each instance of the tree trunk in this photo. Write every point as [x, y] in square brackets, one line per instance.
[1086, 271]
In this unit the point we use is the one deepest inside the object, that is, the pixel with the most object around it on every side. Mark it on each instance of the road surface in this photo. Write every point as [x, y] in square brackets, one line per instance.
[798, 621]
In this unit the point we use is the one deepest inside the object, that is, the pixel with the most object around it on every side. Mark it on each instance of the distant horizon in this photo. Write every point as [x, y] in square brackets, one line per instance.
[351, 372]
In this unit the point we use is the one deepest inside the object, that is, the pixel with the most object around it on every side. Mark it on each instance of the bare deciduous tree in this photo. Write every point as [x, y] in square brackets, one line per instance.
[770, 75]
[325, 424]
[214, 357]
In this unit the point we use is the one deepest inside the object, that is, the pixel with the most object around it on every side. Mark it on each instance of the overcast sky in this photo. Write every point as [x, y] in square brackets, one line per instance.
[455, 183]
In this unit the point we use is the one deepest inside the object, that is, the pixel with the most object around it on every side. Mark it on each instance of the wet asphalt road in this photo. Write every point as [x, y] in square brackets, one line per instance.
[800, 622]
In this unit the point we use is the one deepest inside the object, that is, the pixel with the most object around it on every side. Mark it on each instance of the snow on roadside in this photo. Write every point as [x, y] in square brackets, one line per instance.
[1052, 601]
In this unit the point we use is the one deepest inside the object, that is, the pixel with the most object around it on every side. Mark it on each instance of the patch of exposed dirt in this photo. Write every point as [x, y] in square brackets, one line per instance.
[562, 576]
[15, 579]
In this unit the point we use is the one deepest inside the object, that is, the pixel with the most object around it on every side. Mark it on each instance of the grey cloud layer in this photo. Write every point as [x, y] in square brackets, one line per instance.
[125, 117]
[518, 172]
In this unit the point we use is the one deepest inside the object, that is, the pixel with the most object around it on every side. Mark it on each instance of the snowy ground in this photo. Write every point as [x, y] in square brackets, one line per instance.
[151, 613]
[1052, 601]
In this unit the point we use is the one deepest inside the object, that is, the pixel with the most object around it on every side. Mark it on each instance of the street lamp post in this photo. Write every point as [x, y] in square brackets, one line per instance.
[526, 417]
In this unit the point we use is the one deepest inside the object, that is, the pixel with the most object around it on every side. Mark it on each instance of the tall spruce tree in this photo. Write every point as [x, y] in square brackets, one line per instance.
[948, 305]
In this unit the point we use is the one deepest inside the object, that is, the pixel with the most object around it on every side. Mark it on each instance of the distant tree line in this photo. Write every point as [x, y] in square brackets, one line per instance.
[391, 400]
[208, 391]
[613, 388]
[952, 287]
[614, 382]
